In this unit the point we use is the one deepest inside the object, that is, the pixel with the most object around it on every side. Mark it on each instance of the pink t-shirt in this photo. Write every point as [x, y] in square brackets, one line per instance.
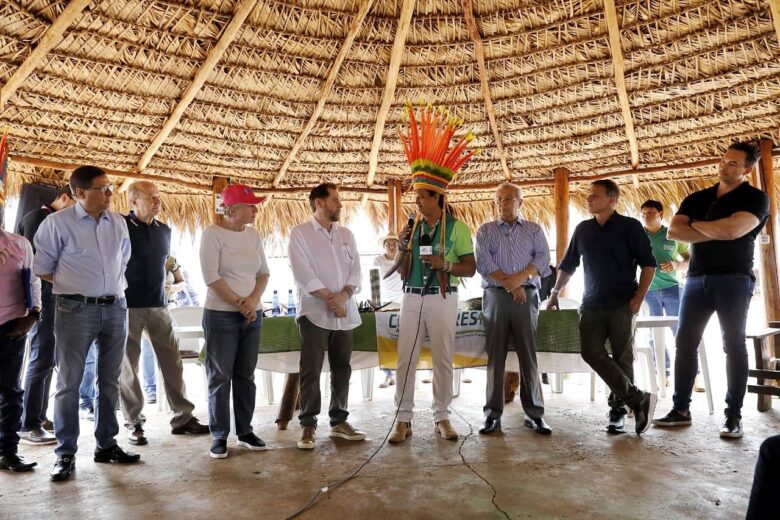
[15, 253]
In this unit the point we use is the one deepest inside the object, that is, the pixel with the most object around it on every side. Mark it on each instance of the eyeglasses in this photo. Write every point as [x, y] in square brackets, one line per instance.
[108, 188]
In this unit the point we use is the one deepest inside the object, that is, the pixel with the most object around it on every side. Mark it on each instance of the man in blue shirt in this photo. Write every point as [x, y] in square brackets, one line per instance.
[611, 247]
[83, 251]
[512, 254]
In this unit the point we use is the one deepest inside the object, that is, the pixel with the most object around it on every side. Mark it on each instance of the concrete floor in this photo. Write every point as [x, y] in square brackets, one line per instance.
[578, 472]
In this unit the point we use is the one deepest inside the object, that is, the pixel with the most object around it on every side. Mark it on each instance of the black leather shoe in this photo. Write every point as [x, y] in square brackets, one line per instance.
[538, 425]
[14, 462]
[116, 454]
[192, 427]
[491, 425]
[63, 468]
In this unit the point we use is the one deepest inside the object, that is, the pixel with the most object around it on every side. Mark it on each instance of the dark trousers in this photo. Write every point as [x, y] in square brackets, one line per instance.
[500, 316]
[766, 482]
[11, 357]
[729, 296]
[314, 342]
[617, 370]
[231, 358]
[37, 381]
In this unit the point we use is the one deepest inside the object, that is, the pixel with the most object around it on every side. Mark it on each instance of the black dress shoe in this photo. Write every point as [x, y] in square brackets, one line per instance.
[491, 425]
[116, 454]
[63, 468]
[13, 462]
[538, 425]
[192, 427]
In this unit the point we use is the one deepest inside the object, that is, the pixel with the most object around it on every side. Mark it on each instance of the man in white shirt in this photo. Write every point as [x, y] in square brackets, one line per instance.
[326, 268]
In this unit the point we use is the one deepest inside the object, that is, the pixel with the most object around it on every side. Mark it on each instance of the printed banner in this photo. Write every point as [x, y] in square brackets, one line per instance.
[469, 341]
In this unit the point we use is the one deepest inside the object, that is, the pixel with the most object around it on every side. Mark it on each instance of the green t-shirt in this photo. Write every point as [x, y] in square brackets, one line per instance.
[457, 244]
[665, 250]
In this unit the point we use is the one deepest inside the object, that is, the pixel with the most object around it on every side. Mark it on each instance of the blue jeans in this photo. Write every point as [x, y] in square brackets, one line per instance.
[38, 378]
[147, 367]
[728, 295]
[77, 325]
[664, 301]
[231, 358]
[87, 386]
[11, 356]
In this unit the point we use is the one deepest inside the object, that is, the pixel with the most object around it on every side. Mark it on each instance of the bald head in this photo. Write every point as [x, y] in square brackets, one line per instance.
[144, 200]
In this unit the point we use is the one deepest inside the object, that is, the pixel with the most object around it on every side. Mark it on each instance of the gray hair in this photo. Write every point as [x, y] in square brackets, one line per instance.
[137, 188]
[507, 184]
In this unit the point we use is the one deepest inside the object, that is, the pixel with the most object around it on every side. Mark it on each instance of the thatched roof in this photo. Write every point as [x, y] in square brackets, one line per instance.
[283, 94]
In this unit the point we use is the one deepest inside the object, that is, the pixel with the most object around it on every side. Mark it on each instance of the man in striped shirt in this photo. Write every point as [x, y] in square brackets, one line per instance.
[512, 254]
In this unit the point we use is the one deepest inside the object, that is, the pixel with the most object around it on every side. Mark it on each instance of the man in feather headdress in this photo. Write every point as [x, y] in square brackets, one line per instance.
[439, 251]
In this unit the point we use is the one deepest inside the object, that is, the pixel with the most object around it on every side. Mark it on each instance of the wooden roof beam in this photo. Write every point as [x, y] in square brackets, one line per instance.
[327, 88]
[51, 37]
[479, 52]
[618, 68]
[404, 20]
[215, 54]
[774, 8]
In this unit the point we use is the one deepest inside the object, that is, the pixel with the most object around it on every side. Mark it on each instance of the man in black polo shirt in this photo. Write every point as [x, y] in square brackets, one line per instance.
[721, 223]
[612, 247]
[38, 378]
[148, 309]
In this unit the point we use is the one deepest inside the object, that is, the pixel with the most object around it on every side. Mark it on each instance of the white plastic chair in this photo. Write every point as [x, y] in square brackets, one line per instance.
[189, 348]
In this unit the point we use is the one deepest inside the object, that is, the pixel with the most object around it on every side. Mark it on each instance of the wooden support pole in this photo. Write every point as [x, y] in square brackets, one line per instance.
[561, 199]
[218, 184]
[392, 207]
[769, 274]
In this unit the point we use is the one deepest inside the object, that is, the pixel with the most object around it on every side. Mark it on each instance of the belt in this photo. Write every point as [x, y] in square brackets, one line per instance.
[100, 300]
[430, 290]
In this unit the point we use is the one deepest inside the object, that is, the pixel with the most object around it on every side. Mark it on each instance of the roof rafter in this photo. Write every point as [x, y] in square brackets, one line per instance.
[50, 38]
[327, 88]
[618, 67]
[215, 54]
[479, 52]
[404, 20]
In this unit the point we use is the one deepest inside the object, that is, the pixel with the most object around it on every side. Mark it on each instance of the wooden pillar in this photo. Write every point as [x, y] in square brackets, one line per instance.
[217, 185]
[392, 207]
[769, 279]
[561, 199]
[400, 218]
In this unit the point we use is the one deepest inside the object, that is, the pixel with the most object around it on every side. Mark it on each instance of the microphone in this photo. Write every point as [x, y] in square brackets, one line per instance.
[404, 246]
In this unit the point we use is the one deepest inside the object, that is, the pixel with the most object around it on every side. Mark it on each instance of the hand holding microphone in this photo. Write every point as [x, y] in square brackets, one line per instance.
[406, 233]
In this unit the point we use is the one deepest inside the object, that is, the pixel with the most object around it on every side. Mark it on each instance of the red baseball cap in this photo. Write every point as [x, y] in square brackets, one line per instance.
[239, 194]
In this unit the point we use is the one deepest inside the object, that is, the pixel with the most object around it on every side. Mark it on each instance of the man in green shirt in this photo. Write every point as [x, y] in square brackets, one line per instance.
[663, 297]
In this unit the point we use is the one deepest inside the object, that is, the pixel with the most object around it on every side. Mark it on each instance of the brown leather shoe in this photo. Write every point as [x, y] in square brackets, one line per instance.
[403, 430]
[445, 429]
[306, 442]
[193, 427]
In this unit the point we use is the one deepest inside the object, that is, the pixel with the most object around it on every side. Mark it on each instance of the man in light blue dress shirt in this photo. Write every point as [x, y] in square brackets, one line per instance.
[512, 254]
[83, 252]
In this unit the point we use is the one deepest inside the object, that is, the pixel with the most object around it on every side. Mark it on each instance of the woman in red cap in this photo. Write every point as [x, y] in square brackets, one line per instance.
[236, 273]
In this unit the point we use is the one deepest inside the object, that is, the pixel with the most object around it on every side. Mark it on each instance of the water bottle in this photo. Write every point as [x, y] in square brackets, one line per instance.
[276, 309]
[290, 303]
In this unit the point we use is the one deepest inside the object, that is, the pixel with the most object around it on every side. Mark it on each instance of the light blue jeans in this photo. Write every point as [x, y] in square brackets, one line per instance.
[77, 325]
[147, 367]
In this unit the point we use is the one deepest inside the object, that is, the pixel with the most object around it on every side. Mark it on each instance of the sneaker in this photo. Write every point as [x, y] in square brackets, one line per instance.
[617, 421]
[698, 384]
[445, 429]
[151, 399]
[403, 430]
[135, 436]
[643, 413]
[674, 418]
[36, 437]
[306, 442]
[389, 381]
[346, 431]
[88, 414]
[218, 449]
[252, 441]
[47, 425]
[732, 428]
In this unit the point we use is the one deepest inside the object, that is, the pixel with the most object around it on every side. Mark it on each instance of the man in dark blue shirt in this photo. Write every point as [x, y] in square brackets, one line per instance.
[721, 223]
[147, 304]
[612, 247]
[39, 371]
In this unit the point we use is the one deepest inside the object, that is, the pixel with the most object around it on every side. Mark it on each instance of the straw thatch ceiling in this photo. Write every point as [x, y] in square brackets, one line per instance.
[286, 94]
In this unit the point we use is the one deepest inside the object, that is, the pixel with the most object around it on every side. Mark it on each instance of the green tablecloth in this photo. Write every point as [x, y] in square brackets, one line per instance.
[280, 334]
